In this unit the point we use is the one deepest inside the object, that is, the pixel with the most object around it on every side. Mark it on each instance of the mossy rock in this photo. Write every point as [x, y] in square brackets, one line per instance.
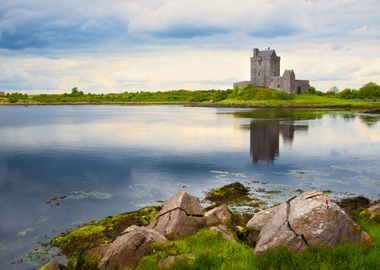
[228, 194]
[354, 203]
[104, 231]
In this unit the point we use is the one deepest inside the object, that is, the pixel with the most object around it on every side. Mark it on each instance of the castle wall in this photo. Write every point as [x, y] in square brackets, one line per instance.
[288, 82]
[276, 83]
[302, 86]
[285, 83]
[242, 84]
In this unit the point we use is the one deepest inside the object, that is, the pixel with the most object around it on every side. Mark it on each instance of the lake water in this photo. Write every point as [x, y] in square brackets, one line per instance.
[112, 159]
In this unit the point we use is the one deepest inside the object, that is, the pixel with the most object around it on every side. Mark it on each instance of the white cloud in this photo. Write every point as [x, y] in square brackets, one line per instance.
[155, 45]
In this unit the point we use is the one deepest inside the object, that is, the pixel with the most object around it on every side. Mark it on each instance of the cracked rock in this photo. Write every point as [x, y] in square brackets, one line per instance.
[127, 250]
[181, 215]
[310, 218]
[261, 218]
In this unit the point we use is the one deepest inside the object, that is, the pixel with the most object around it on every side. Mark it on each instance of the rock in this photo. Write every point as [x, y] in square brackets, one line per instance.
[169, 261]
[181, 215]
[375, 209]
[51, 265]
[218, 215]
[258, 221]
[228, 194]
[224, 231]
[310, 218]
[184, 201]
[130, 247]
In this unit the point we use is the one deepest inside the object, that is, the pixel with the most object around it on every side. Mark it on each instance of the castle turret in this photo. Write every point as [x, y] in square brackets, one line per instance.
[255, 52]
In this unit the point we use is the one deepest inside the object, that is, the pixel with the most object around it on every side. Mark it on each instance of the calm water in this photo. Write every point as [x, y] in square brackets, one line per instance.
[112, 159]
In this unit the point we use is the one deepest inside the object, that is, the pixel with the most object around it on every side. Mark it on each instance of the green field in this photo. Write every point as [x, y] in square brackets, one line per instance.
[303, 100]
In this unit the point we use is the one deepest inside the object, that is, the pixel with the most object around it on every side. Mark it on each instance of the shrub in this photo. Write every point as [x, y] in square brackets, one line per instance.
[370, 90]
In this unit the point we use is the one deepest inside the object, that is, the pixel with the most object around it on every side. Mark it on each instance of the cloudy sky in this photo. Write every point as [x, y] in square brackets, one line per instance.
[131, 45]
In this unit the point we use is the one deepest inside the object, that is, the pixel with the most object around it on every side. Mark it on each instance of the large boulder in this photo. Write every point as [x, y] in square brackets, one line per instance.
[181, 215]
[218, 215]
[260, 219]
[310, 218]
[130, 247]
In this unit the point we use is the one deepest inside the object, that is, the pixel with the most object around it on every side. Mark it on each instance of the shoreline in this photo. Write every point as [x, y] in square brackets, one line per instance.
[206, 105]
[86, 245]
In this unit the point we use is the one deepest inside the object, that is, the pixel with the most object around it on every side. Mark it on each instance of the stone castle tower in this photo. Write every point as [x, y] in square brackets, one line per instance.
[264, 65]
[265, 72]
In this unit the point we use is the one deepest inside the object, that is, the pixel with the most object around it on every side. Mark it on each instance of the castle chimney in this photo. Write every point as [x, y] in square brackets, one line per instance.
[255, 52]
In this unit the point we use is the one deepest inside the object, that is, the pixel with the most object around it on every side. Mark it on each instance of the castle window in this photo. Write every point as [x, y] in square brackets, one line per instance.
[258, 73]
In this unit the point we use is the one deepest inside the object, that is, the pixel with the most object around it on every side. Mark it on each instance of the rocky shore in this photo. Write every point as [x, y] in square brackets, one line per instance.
[310, 219]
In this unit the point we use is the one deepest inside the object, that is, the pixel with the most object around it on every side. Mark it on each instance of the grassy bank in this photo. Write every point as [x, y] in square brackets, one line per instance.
[209, 250]
[366, 97]
[301, 101]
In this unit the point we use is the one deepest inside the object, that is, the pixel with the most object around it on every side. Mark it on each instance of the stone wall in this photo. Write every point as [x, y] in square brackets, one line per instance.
[302, 86]
[242, 84]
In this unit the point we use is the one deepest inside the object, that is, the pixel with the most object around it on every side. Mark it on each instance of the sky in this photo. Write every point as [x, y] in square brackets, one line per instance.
[50, 46]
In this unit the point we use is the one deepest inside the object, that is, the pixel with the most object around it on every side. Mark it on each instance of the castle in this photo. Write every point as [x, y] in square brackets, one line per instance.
[265, 71]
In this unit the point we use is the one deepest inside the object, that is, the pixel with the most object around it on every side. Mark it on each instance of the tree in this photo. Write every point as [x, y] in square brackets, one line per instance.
[333, 89]
[312, 90]
[370, 90]
[75, 92]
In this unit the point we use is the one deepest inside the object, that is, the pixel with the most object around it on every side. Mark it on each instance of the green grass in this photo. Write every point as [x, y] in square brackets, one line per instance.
[209, 250]
[303, 100]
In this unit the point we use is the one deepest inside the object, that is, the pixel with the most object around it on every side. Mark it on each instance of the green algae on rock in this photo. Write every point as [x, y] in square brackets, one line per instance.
[103, 231]
[229, 194]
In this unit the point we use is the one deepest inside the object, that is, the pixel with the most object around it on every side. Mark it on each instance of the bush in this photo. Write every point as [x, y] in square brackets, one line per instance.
[13, 99]
[312, 90]
[370, 90]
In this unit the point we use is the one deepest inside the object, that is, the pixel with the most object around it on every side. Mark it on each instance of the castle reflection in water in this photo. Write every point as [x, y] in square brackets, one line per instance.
[265, 138]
